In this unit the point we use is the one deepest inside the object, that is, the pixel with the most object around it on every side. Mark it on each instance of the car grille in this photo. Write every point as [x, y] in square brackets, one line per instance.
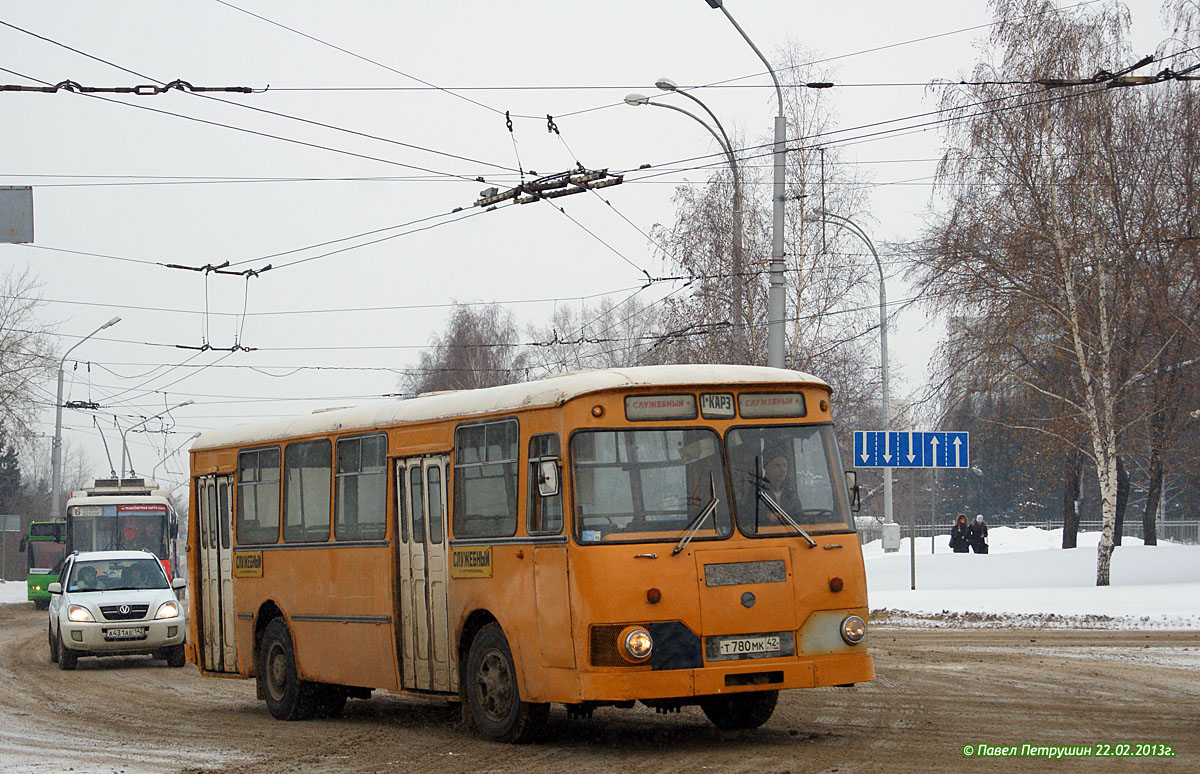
[129, 613]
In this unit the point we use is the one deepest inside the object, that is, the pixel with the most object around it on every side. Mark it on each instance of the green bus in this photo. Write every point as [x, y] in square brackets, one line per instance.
[45, 547]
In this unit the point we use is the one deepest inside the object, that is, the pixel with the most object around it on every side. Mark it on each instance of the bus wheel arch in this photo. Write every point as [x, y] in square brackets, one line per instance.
[492, 693]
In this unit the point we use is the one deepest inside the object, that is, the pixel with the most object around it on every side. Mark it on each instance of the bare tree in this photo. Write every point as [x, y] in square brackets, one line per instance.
[1047, 232]
[26, 353]
[610, 334]
[480, 347]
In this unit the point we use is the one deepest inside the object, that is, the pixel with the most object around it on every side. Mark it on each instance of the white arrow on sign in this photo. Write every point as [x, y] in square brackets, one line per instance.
[957, 452]
[911, 456]
[864, 454]
[933, 442]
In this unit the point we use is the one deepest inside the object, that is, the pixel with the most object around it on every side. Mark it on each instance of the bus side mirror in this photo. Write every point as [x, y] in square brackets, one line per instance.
[54, 588]
[22, 544]
[852, 488]
[547, 478]
[173, 531]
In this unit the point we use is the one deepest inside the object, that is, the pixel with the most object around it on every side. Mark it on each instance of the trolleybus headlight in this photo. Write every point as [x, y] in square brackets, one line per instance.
[853, 629]
[79, 614]
[167, 610]
[636, 644]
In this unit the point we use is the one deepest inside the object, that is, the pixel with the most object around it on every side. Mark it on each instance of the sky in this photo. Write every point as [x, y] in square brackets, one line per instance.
[370, 124]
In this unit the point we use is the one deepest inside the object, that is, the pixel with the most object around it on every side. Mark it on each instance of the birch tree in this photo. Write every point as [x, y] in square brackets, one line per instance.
[1044, 236]
[27, 361]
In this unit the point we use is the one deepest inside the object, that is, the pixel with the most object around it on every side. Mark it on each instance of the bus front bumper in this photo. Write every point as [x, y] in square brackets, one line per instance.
[742, 676]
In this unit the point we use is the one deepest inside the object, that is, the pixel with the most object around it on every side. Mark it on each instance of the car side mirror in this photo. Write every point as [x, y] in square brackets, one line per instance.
[548, 478]
[852, 488]
[179, 583]
[54, 588]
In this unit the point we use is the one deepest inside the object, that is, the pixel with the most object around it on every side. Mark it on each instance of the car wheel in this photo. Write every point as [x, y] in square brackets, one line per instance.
[740, 710]
[492, 693]
[176, 657]
[53, 644]
[67, 658]
[288, 697]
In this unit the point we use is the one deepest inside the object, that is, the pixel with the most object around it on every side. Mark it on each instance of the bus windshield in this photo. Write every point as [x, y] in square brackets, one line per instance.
[793, 468]
[45, 555]
[648, 485]
[113, 529]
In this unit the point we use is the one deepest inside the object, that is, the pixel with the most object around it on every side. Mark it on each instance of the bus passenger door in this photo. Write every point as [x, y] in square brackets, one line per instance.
[425, 640]
[218, 646]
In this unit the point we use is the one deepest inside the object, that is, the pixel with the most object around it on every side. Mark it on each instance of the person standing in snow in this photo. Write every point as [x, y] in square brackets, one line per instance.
[977, 535]
[960, 535]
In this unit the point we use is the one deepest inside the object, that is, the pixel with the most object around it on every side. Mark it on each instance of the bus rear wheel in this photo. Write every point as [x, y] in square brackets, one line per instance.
[288, 697]
[740, 710]
[492, 693]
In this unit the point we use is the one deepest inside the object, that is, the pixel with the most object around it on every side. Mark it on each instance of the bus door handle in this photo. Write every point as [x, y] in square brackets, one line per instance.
[645, 556]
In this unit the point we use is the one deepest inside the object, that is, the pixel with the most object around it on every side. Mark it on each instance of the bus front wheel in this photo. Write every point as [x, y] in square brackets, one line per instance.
[740, 710]
[492, 693]
[288, 697]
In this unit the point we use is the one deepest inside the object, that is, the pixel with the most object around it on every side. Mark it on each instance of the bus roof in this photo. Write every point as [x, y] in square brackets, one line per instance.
[554, 390]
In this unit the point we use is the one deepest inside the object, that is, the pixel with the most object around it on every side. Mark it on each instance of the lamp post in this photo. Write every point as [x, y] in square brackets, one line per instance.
[56, 444]
[125, 432]
[189, 439]
[738, 301]
[775, 296]
[855, 229]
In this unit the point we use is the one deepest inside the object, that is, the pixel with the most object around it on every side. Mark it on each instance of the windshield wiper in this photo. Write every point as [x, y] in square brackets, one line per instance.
[696, 522]
[770, 501]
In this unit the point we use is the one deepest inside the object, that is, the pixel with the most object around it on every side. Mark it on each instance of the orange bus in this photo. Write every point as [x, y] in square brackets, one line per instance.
[675, 535]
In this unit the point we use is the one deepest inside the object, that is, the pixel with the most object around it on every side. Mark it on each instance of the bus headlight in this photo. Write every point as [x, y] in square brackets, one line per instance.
[853, 629]
[167, 610]
[635, 644]
[79, 614]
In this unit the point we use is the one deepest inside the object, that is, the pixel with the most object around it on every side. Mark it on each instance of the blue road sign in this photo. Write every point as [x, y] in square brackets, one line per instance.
[910, 449]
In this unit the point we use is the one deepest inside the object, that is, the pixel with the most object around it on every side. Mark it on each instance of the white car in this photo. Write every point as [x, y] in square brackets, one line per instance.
[115, 603]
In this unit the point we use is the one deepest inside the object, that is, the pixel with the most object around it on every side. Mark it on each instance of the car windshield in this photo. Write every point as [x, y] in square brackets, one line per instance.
[790, 468]
[648, 485]
[109, 575]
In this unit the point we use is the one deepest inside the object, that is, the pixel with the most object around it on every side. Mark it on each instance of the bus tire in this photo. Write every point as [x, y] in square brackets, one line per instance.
[53, 645]
[41, 604]
[288, 697]
[176, 657]
[67, 658]
[740, 710]
[492, 694]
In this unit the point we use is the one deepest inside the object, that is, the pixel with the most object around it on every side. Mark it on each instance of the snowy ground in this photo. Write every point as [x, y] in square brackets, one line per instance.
[1027, 580]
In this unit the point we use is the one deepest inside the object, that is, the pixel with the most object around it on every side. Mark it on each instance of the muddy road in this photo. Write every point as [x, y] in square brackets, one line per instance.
[936, 691]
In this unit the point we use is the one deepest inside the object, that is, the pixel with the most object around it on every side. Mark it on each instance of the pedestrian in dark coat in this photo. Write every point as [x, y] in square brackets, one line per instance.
[960, 535]
[977, 534]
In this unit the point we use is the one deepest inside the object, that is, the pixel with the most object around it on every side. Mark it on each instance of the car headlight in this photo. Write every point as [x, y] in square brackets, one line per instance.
[636, 645]
[167, 610]
[854, 629]
[79, 614]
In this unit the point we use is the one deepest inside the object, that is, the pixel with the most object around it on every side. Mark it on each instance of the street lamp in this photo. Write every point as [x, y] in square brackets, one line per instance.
[56, 444]
[855, 229]
[171, 453]
[775, 297]
[742, 353]
[125, 432]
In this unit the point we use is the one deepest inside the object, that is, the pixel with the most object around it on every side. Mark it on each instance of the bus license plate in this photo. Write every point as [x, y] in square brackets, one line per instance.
[750, 645]
[135, 633]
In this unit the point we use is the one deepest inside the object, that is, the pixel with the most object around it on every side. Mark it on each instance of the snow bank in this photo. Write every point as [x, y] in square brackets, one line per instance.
[1028, 580]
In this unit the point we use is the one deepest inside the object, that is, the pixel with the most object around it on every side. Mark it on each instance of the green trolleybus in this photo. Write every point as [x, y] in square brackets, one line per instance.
[45, 546]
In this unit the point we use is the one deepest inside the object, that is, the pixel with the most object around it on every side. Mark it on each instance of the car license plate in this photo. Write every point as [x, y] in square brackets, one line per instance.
[736, 646]
[131, 633]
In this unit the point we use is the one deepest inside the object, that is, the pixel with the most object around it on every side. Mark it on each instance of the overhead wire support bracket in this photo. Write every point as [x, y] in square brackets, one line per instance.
[551, 187]
[142, 90]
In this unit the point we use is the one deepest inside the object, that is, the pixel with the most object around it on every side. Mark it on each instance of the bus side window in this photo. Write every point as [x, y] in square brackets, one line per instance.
[418, 505]
[434, 481]
[401, 511]
[545, 516]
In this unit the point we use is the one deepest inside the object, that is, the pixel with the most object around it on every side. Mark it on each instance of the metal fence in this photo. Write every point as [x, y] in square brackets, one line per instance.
[1187, 532]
